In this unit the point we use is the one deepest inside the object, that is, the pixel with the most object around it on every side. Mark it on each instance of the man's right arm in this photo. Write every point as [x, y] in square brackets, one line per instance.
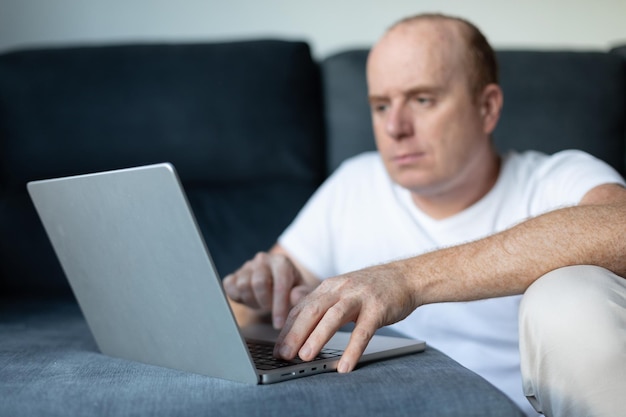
[268, 286]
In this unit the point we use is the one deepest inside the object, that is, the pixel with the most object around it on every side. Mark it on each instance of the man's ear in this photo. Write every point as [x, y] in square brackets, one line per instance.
[490, 102]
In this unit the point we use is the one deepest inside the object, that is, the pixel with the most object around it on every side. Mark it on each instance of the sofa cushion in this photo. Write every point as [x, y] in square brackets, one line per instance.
[50, 366]
[346, 107]
[220, 112]
[558, 100]
[552, 101]
[620, 50]
[241, 121]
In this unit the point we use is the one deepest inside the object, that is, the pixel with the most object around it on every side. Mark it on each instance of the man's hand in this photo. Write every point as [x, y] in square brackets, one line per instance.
[503, 264]
[371, 298]
[270, 282]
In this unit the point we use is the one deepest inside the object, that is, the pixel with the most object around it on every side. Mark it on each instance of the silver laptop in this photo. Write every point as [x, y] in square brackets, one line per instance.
[145, 282]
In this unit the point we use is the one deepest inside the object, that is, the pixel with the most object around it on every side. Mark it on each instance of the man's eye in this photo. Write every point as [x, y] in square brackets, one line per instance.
[379, 108]
[424, 100]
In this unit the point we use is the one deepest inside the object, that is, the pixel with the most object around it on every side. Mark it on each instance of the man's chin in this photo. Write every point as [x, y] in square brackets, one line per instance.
[419, 184]
[414, 185]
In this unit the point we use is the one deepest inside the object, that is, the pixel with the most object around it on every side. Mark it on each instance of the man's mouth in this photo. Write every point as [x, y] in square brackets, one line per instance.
[408, 158]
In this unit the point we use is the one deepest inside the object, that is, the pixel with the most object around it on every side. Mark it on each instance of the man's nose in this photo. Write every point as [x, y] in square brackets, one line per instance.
[399, 123]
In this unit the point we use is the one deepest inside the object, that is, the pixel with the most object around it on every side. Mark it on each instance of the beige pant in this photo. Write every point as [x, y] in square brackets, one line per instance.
[573, 343]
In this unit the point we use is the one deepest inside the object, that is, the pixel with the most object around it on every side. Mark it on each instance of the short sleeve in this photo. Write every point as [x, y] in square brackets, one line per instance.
[309, 238]
[564, 178]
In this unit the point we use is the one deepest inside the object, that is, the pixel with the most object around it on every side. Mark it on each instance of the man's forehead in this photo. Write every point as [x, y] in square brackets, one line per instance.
[427, 31]
[424, 51]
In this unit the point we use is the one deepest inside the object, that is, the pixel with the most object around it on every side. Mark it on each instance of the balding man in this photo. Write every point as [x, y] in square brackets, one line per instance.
[473, 231]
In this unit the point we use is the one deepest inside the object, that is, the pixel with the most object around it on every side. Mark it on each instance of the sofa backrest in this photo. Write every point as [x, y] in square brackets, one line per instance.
[553, 100]
[242, 122]
[620, 50]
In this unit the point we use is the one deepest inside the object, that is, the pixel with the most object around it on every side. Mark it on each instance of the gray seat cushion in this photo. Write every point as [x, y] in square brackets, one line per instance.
[49, 365]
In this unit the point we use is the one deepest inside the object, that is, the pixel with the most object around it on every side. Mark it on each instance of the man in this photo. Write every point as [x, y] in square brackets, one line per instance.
[486, 227]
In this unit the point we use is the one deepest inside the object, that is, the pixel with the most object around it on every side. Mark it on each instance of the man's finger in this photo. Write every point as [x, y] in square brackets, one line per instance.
[360, 338]
[261, 284]
[245, 293]
[298, 293]
[229, 287]
[284, 278]
[300, 322]
[336, 316]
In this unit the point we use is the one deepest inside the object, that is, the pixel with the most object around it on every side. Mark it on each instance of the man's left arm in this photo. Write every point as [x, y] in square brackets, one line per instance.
[506, 263]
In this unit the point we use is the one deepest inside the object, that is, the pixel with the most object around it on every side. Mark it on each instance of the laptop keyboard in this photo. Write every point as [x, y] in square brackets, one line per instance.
[263, 355]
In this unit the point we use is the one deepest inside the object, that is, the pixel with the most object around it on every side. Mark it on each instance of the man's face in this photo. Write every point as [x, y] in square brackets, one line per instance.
[428, 127]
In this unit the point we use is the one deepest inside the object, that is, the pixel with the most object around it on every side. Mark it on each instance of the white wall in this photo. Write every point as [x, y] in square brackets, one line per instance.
[329, 25]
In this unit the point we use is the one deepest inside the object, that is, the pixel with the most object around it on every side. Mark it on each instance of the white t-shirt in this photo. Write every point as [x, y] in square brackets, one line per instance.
[359, 217]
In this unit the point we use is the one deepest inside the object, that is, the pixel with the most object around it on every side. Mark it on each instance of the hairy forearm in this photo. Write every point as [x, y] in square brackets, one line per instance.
[507, 263]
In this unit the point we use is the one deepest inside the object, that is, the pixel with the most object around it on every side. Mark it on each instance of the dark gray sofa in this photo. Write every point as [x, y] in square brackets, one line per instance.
[252, 128]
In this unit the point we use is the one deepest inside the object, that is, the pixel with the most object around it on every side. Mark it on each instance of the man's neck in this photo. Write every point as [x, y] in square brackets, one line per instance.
[446, 204]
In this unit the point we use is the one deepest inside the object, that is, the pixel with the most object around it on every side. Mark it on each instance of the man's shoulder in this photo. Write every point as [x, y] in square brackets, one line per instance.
[539, 160]
[362, 160]
[365, 164]
[535, 160]
[560, 178]
[360, 177]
